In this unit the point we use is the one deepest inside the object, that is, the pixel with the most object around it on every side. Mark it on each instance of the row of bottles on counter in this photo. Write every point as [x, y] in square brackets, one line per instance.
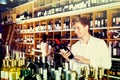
[6, 20]
[69, 6]
[25, 39]
[39, 69]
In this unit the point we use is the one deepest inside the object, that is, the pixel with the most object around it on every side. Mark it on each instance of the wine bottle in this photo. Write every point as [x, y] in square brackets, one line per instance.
[38, 45]
[115, 49]
[2, 77]
[18, 69]
[6, 71]
[45, 68]
[118, 18]
[12, 71]
[63, 47]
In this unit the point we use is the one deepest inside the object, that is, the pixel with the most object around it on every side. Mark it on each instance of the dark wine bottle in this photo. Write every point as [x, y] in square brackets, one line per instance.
[62, 46]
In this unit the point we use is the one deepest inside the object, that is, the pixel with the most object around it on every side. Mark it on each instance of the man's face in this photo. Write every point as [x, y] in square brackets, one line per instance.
[80, 30]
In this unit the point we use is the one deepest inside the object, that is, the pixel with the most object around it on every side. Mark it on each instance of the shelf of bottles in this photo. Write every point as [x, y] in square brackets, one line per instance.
[67, 5]
[60, 6]
[104, 24]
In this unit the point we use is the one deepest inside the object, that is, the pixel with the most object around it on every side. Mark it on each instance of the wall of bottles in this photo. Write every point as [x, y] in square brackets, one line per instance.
[27, 36]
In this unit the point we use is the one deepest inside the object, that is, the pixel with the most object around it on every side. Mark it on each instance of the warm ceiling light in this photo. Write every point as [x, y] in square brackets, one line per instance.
[3, 2]
[11, 0]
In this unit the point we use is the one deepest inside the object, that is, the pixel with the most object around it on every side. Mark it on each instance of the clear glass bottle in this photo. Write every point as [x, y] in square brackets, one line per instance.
[12, 71]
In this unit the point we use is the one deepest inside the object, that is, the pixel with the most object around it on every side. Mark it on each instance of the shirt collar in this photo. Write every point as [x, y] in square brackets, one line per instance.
[89, 41]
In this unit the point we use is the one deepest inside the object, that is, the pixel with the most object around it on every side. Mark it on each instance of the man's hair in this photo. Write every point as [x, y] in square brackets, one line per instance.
[83, 20]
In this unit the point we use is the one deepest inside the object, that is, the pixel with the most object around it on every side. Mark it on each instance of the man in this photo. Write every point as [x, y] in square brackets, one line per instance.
[88, 50]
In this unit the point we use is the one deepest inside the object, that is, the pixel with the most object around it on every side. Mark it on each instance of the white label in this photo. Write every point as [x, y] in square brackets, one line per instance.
[17, 75]
[98, 22]
[72, 76]
[6, 75]
[102, 22]
[95, 22]
[114, 51]
[113, 19]
[45, 74]
[91, 23]
[12, 76]
[2, 74]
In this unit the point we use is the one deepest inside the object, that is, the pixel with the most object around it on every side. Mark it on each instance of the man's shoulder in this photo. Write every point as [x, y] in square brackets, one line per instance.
[97, 40]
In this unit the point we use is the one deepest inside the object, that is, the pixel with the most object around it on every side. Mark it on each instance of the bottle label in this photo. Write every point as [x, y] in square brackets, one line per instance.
[38, 46]
[2, 74]
[12, 76]
[45, 74]
[114, 51]
[17, 75]
[72, 76]
[91, 23]
[98, 23]
[114, 20]
[6, 75]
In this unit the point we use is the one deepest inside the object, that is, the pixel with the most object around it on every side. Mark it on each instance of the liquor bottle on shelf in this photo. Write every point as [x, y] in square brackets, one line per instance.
[115, 49]
[101, 34]
[98, 21]
[29, 49]
[118, 18]
[50, 26]
[114, 34]
[67, 35]
[104, 20]
[114, 19]
[38, 45]
[58, 25]
[66, 24]
[91, 21]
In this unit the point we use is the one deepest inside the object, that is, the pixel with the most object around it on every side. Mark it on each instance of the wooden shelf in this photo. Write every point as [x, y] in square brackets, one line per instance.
[114, 77]
[76, 12]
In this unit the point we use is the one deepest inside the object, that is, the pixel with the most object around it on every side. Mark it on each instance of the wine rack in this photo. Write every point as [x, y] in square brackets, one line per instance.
[48, 18]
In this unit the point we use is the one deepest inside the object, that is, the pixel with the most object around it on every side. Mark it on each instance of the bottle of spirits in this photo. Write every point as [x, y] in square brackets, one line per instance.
[3, 70]
[6, 71]
[12, 71]
[18, 70]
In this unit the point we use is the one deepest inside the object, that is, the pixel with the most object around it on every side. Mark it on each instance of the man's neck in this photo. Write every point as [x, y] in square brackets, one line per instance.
[85, 39]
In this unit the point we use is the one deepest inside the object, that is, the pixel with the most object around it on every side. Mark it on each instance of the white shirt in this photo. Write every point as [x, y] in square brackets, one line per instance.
[96, 51]
[43, 47]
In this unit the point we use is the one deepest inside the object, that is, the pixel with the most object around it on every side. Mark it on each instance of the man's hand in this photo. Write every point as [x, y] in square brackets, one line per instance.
[65, 54]
[81, 59]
